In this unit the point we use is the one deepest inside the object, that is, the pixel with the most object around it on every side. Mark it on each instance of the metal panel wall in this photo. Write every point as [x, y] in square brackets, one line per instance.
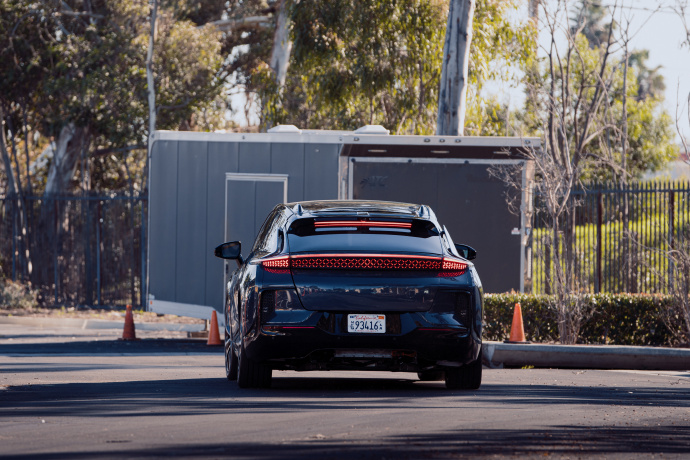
[190, 276]
[255, 157]
[321, 171]
[162, 237]
[187, 213]
[465, 198]
[222, 157]
[289, 159]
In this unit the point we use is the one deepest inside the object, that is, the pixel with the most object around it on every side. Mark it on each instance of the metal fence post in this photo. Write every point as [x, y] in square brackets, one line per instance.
[143, 245]
[14, 240]
[98, 252]
[55, 248]
[671, 218]
[600, 208]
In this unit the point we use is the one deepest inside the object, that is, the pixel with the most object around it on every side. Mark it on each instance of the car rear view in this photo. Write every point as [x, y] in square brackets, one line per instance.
[356, 285]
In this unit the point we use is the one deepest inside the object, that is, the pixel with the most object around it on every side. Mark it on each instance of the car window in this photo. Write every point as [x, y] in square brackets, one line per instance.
[267, 239]
[449, 241]
[422, 237]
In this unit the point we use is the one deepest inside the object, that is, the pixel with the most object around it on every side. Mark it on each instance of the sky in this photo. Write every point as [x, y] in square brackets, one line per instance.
[661, 32]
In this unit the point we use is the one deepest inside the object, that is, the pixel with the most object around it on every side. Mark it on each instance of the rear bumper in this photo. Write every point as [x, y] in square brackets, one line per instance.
[412, 342]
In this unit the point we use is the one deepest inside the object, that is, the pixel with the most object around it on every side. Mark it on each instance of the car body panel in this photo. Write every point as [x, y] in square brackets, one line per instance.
[423, 332]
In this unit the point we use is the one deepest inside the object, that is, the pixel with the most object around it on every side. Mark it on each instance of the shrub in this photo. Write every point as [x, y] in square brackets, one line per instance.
[615, 319]
[15, 295]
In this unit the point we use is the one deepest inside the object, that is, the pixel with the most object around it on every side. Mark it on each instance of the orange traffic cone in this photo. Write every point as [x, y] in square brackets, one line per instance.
[517, 332]
[213, 334]
[128, 332]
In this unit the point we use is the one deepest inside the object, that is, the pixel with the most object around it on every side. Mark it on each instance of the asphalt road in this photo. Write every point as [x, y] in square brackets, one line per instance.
[71, 395]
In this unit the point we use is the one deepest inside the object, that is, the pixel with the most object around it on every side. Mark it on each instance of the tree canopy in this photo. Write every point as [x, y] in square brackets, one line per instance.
[376, 61]
[584, 85]
[81, 63]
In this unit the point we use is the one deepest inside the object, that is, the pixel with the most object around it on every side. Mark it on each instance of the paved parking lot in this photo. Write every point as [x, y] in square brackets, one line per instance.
[71, 394]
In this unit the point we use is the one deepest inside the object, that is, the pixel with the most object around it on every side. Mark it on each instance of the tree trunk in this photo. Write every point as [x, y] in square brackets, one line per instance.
[279, 63]
[456, 55]
[66, 154]
[282, 45]
[151, 89]
[15, 191]
[7, 163]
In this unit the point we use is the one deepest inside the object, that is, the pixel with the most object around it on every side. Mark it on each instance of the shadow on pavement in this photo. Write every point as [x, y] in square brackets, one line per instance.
[559, 441]
[96, 347]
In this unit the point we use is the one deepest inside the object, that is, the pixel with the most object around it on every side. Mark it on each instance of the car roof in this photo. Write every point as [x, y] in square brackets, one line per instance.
[344, 207]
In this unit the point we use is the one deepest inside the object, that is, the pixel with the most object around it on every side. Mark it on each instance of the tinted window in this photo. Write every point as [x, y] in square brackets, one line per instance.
[267, 240]
[422, 237]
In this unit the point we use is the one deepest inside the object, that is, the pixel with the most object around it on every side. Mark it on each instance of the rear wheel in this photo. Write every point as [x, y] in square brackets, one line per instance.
[251, 374]
[467, 377]
[230, 359]
[430, 376]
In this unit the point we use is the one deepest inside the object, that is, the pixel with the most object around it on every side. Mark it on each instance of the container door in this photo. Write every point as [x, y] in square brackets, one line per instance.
[249, 198]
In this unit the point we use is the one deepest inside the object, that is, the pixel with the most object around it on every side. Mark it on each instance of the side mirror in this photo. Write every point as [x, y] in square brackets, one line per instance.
[231, 250]
[466, 252]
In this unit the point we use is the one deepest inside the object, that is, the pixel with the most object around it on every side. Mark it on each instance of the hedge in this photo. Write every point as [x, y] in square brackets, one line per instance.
[614, 319]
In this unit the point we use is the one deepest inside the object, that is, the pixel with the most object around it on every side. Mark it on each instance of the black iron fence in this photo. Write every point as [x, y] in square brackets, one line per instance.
[91, 250]
[76, 250]
[613, 239]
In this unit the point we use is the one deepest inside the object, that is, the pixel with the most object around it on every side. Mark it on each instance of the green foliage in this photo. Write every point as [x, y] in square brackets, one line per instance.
[84, 63]
[379, 62]
[614, 319]
[577, 77]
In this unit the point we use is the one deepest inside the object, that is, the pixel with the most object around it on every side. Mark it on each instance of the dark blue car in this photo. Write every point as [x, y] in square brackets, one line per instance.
[353, 285]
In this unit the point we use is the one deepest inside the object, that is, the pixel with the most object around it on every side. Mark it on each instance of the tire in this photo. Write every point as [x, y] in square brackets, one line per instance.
[230, 360]
[430, 376]
[467, 377]
[251, 374]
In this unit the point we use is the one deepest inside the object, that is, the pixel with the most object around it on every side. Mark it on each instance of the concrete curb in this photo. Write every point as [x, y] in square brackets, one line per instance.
[78, 323]
[497, 354]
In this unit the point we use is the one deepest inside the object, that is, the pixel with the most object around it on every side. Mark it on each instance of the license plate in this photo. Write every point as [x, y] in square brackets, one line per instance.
[367, 324]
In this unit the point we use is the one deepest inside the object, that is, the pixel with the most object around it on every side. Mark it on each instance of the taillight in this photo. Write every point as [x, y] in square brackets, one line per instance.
[366, 262]
[361, 223]
[276, 262]
[452, 266]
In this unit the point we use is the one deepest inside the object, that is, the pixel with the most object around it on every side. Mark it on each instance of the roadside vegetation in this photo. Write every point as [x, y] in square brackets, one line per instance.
[608, 319]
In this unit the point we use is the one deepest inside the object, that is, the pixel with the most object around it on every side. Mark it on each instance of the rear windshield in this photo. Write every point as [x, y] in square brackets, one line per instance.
[350, 235]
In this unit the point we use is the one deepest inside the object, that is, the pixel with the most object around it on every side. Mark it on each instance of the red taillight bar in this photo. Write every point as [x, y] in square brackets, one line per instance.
[361, 223]
[277, 262]
[453, 264]
[366, 262]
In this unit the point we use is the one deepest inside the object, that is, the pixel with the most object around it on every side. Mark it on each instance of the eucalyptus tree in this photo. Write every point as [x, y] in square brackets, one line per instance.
[73, 98]
[356, 63]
